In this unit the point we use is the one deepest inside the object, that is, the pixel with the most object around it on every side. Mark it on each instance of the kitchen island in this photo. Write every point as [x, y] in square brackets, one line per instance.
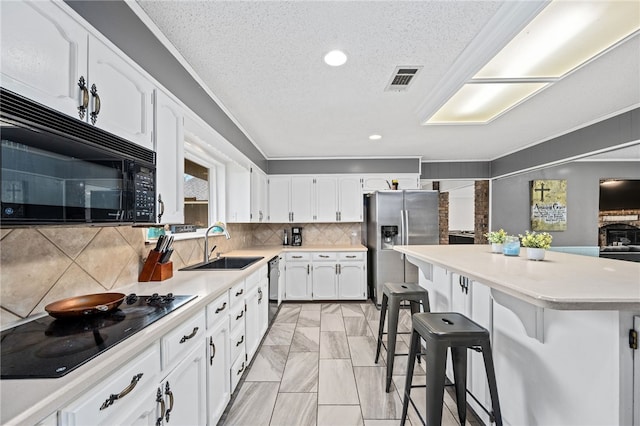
[559, 330]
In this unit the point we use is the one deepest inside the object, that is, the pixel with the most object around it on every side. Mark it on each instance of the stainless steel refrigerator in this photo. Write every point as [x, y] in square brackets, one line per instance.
[397, 218]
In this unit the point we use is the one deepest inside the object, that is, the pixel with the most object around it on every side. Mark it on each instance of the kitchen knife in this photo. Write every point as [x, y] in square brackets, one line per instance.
[164, 258]
[159, 243]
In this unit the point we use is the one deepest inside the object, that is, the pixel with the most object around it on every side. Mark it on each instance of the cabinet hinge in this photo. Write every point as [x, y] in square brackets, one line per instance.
[633, 339]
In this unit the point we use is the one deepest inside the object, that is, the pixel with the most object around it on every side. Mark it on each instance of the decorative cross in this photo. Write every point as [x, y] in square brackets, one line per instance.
[541, 190]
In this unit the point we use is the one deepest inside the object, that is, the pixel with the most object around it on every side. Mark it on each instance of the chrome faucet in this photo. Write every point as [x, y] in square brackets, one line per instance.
[207, 253]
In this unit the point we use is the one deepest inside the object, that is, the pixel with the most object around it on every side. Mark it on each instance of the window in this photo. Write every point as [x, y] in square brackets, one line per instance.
[196, 194]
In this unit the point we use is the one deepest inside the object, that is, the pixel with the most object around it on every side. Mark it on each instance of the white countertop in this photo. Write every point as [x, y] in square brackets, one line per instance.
[27, 401]
[562, 281]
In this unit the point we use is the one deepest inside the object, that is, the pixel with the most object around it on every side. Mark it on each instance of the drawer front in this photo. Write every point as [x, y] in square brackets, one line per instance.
[298, 257]
[326, 255]
[237, 369]
[178, 342]
[237, 343]
[132, 382]
[236, 317]
[352, 255]
[236, 294]
[217, 310]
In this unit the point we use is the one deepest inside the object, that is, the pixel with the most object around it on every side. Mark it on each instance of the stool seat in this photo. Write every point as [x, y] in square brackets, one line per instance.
[443, 331]
[392, 295]
[449, 326]
[408, 290]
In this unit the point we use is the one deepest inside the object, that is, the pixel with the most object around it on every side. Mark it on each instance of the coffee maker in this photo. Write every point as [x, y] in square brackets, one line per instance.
[296, 236]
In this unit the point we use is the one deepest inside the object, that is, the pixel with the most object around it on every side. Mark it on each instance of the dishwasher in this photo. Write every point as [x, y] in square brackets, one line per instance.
[274, 279]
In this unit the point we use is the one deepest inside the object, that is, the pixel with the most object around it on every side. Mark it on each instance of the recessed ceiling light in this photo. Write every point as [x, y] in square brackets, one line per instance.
[335, 58]
[375, 137]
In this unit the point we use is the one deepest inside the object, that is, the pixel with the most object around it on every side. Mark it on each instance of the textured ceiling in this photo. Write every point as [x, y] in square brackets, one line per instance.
[263, 61]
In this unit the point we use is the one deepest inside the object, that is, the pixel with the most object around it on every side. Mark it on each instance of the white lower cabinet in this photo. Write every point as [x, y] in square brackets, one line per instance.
[298, 276]
[218, 358]
[352, 275]
[326, 275]
[256, 302]
[122, 398]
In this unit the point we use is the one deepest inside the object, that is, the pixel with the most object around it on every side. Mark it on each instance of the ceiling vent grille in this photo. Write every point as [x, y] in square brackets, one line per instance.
[402, 78]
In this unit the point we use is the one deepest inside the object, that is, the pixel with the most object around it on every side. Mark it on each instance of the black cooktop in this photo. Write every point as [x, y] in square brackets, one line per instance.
[50, 348]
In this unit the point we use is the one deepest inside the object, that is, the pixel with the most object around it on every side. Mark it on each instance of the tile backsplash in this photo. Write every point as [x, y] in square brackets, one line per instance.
[42, 265]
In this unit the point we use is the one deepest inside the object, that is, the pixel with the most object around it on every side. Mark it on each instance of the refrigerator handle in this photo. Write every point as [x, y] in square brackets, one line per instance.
[402, 231]
[406, 227]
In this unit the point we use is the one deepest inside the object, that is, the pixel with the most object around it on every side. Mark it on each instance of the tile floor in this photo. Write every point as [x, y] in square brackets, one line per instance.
[316, 367]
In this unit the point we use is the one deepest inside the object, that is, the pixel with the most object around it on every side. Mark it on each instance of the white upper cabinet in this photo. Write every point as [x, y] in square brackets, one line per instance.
[380, 182]
[350, 199]
[169, 135]
[238, 193]
[50, 57]
[44, 53]
[290, 199]
[122, 100]
[338, 199]
[279, 193]
[326, 199]
[258, 195]
[301, 199]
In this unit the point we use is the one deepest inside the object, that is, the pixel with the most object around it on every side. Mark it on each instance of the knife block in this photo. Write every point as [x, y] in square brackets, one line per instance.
[154, 271]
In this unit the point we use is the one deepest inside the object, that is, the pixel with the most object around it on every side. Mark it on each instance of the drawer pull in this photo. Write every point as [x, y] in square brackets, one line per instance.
[160, 400]
[241, 369]
[170, 394]
[240, 316]
[296, 257]
[350, 257]
[324, 256]
[239, 342]
[213, 350]
[221, 308]
[193, 333]
[240, 292]
[113, 397]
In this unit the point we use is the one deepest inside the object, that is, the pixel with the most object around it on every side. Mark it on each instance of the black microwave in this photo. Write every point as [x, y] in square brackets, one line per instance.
[59, 170]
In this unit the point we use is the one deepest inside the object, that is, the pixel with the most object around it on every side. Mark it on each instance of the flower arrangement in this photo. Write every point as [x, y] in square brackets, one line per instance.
[496, 237]
[536, 239]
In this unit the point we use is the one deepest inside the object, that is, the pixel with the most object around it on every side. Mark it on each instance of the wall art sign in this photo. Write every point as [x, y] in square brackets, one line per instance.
[549, 205]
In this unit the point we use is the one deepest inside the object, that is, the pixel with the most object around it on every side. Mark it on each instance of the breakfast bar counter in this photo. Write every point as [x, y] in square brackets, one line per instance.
[559, 330]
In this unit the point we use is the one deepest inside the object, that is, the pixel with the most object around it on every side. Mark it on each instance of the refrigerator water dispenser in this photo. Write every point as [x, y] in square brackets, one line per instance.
[389, 235]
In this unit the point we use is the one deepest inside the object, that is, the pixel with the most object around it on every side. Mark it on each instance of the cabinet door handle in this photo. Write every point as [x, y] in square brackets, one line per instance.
[239, 342]
[96, 104]
[193, 333]
[240, 316]
[221, 308]
[213, 350]
[168, 392]
[336, 269]
[240, 292]
[260, 298]
[82, 109]
[115, 396]
[308, 269]
[160, 400]
[161, 208]
[339, 268]
[241, 369]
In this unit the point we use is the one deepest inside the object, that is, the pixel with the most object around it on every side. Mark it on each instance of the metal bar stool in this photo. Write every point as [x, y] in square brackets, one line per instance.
[392, 295]
[442, 331]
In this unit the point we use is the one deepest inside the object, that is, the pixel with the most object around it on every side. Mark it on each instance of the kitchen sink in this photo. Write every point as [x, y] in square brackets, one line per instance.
[223, 263]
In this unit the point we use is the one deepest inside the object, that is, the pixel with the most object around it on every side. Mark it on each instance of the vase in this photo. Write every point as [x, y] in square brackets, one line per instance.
[496, 247]
[511, 246]
[535, 253]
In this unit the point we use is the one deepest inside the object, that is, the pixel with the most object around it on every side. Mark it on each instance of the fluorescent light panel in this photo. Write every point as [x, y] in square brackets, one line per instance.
[565, 35]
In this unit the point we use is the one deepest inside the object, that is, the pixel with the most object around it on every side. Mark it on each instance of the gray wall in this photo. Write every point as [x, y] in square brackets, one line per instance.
[456, 170]
[392, 165]
[510, 199]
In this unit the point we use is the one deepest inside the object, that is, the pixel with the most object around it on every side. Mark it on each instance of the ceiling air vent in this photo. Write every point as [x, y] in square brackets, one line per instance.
[401, 78]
